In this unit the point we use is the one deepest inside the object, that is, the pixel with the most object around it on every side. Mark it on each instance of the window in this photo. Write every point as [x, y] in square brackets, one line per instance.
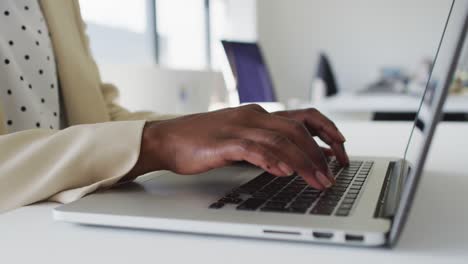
[181, 34]
[120, 30]
[232, 20]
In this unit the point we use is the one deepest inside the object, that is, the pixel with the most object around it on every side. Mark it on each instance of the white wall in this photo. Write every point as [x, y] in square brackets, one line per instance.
[360, 36]
[242, 20]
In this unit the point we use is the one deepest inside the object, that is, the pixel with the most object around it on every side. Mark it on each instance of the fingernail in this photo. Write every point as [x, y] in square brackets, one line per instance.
[324, 180]
[286, 169]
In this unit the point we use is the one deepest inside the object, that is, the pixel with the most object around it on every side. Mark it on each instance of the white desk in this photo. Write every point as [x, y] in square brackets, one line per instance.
[436, 232]
[362, 106]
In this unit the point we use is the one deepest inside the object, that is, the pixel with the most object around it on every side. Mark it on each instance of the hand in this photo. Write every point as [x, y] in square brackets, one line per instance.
[281, 143]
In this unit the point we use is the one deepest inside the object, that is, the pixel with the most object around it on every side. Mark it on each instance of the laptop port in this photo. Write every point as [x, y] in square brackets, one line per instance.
[322, 235]
[354, 238]
[277, 232]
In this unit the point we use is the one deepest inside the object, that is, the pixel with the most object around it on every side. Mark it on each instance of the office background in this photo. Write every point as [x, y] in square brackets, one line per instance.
[361, 37]
[291, 33]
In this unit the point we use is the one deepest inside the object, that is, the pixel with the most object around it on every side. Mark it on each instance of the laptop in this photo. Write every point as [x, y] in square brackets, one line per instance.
[367, 207]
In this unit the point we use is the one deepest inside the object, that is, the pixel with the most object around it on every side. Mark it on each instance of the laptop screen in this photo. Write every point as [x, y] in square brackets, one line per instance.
[441, 80]
[431, 96]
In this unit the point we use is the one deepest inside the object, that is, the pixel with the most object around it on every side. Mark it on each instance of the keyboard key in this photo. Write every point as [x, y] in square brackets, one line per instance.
[342, 185]
[309, 191]
[327, 203]
[232, 195]
[309, 195]
[351, 196]
[274, 207]
[256, 183]
[292, 190]
[344, 182]
[348, 201]
[281, 199]
[261, 195]
[300, 205]
[306, 199]
[335, 192]
[358, 183]
[286, 195]
[275, 204]
[217, 205]
[227, 200]
[251, 204]
[335, 188]
[342, 212]
[353, 191]
[346, 206]
[332, 197]
[297, 210]
[322, 210]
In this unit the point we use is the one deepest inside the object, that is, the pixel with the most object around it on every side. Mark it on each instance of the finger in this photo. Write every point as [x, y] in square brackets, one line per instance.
[319, 125]
[338, 150]
[328, 152]
[297, 133]
[254, 107]
[322, 125]
[340, 153]
[329, 133]
[232, 150]
[289, 153]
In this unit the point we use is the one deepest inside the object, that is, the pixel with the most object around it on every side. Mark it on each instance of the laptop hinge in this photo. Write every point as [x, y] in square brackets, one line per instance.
[391, 191]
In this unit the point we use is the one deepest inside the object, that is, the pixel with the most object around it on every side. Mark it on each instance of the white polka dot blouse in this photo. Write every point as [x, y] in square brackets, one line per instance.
[28, 79]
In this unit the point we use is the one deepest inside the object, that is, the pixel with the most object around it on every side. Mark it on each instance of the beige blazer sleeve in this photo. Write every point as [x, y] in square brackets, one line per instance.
[65, 165]
[96, 151]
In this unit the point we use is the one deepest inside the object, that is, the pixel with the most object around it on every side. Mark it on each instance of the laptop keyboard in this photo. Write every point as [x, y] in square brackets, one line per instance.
[268, 193]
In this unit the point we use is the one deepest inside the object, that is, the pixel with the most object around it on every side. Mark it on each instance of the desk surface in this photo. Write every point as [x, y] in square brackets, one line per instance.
[363, 103]
[436, 232]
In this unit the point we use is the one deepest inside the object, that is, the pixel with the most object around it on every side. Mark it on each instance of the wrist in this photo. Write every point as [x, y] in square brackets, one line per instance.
[148, 159]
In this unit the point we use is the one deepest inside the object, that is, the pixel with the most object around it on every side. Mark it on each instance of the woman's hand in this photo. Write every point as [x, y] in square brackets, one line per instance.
[281, 143]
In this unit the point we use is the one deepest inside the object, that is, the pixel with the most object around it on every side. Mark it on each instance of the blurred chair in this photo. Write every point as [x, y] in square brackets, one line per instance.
[325, 73]
[250, 71]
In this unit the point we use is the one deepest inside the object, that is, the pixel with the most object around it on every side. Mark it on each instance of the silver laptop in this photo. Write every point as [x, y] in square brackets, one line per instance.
[367, 207]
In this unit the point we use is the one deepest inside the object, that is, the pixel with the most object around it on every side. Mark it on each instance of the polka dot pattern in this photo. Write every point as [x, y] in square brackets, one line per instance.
[27, 68]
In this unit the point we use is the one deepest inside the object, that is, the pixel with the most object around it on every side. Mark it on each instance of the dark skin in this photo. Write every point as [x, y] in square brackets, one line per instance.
[281, 143]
